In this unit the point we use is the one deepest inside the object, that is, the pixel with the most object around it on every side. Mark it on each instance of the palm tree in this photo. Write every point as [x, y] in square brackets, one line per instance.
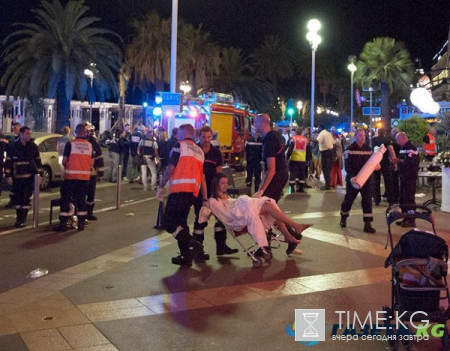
[235, 77]
[48, 59]
[198, 57]
[387, 61]
[274, 61]
[148, 55]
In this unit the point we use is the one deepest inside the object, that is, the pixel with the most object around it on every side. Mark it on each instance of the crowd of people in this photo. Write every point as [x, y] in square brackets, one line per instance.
[191, 167]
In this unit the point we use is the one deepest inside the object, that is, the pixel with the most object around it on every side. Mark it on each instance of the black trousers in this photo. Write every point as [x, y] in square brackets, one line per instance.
[386, 172]
[327, 164]
[92, 186]
[76, 190]
[297, 172]
[254, 169]
[407, 190]
[275, 188]
[125, 158]
[366, 202]
[395, 185]
[21, 192]
[177, 211]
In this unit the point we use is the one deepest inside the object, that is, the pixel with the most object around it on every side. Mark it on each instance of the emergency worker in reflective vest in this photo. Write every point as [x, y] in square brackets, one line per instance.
[22, 163]
[184, 175]
[77, 160]
[429, 144]
[298, 148]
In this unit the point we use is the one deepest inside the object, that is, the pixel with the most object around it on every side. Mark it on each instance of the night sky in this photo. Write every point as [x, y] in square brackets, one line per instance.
[346, 24]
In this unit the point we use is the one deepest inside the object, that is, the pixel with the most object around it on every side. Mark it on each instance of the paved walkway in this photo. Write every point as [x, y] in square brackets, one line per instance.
[134, 299]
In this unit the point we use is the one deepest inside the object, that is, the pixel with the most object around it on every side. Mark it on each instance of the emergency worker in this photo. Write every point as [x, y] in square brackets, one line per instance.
[429, 144]
[357, 155]
[148, 147]
[408, 170]
[297, 156]
[22, 163]
[212, 165]
[97, 172]
[253, 150]
[77, 161]
[184, 175]
[134, 144]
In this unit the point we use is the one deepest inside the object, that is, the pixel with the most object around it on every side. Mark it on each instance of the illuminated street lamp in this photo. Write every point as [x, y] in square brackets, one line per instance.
[185, 87]
[314, 40]
[89, 73]
[173, 47]
[352, 68]
[299, 107]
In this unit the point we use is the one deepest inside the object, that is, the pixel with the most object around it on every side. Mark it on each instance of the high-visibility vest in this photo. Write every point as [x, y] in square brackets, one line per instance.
[78, 166]
[430, 148]
[299, 151]
[187, 175]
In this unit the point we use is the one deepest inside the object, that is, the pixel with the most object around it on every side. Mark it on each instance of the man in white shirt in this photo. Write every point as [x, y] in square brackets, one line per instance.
[326, 143]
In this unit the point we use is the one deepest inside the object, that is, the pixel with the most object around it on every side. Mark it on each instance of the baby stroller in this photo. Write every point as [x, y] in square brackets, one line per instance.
[419, 271]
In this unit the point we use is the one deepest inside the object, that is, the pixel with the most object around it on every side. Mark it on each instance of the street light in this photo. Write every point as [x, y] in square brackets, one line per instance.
[352, 68]
[314, 40]
[173, 47]
[299, 107]
[185, 87]
[90, 74]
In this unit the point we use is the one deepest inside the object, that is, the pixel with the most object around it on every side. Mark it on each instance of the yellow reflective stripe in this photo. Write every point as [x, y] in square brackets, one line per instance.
[183, 181]
[77, 172]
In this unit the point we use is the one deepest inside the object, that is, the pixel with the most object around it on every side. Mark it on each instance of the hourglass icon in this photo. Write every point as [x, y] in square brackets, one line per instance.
[310, 331]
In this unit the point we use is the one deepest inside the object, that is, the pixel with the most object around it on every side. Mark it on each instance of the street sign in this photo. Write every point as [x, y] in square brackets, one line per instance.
[170, 98]
[394, 122]
[376, 111]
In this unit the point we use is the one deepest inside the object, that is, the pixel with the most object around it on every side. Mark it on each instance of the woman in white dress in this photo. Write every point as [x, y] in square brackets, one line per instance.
[257, 214]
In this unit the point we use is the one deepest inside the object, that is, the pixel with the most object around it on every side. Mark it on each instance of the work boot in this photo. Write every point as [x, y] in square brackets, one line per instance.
[81, 223]
[408, 224]
[190, 249]
[62, 226]
[20, 221]
[368, 228]
[221, 245]
[300, 188]
[343, 222]
[90, 212]
[200, 238]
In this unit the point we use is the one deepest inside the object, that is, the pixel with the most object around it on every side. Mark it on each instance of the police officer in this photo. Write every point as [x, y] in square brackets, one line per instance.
[77, 161]
[408, 170]
[297, 155]
[185, 177]
[357, 155]
[97, 172]
[212, 165]
[253, 149]
[22, 163]
[148, 147]
[134, 144]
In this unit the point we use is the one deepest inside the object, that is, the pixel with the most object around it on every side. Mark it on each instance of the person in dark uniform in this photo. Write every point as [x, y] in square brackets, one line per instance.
[394, 167]
[126, 151]
[212, 165]
[134, 144]
[253, 150]
[97, 172]
[276, 172]
[185, 177]
[357, 155]
[385, 170]
[77, 161]
[23, 162]
[408, 170]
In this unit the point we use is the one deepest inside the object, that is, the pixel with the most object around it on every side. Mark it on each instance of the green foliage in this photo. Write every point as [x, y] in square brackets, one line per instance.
[47, 59]
[415, 127]
[443, 129]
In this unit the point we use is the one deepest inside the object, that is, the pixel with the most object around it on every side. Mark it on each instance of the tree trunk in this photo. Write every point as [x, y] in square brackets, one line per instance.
[385, 106]
[62, 108]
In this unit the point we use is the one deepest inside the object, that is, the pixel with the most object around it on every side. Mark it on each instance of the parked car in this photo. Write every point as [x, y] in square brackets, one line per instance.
[49, 156]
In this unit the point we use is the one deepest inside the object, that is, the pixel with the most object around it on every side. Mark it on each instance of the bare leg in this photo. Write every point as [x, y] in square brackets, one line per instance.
[287, 236]
[275, 212]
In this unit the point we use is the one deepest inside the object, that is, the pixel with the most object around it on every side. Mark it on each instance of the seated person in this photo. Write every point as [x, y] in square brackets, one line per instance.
[257, 214]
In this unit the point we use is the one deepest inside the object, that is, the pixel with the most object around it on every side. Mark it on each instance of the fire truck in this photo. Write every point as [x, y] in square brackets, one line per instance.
[231, 123]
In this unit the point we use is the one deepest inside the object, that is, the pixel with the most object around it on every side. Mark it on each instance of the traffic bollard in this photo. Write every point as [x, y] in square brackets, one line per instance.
[119, 187]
